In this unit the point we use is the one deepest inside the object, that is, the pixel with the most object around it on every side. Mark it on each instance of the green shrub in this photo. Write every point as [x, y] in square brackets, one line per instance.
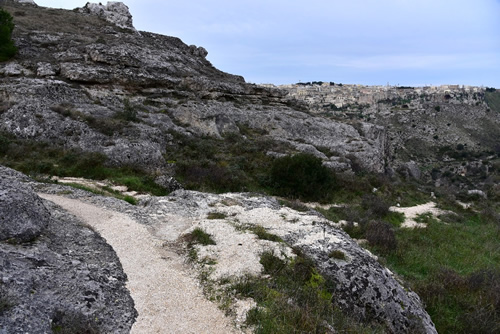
[375, 205]
[301, 176]
[7, 47]
[128, 113]
[294, 298]
[337, 254]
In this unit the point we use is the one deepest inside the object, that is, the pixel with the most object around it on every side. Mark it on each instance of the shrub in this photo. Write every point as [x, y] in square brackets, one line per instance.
[7, 47]
[301, 176]
[381, 235]
[337, 254]
[128, 113]
[375, 205]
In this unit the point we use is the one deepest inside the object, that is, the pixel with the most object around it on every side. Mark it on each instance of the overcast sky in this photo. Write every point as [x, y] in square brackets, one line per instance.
[373, 42]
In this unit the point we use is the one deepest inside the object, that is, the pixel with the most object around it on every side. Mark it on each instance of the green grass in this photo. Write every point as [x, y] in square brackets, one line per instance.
[493, 100]
[439, 263]
[262, 234]
[337, 254]
[105, 191]
[216, 215]
[39, 158]
[198, 236]
[232, 163]
[294, 299]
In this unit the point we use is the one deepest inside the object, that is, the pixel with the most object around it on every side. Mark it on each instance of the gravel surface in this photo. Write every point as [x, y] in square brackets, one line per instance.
[167, 297]
[412, 212]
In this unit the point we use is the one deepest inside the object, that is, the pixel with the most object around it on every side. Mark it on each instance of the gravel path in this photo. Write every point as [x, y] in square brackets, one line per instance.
[166, 297]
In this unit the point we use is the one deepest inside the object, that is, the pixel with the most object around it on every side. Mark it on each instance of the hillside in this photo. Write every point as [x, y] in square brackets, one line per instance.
[276, 198]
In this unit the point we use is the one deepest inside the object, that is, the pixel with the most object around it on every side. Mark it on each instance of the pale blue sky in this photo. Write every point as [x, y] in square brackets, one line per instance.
[405, 42]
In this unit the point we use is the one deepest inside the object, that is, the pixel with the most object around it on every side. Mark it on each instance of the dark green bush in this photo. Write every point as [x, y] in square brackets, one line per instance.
[375, 206]
[381, 235]
[7, 47]
[302, 176]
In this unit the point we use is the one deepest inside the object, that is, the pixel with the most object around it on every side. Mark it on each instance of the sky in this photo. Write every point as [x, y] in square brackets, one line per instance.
[369, 42]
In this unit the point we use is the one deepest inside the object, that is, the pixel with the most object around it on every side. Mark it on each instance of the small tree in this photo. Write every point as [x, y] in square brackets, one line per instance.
[7, 47]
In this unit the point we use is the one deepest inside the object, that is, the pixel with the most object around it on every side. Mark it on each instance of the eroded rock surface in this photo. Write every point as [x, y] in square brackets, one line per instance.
[67, 278]
[362, 286]
[23, 216]
[76, 73]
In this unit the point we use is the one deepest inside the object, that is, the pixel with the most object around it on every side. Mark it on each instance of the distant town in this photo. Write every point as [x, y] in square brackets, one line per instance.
[342, 95]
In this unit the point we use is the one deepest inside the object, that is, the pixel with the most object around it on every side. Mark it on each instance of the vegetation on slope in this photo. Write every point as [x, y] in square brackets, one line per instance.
[492, 97]
[7, 47]
[452, 264]
[40, 159]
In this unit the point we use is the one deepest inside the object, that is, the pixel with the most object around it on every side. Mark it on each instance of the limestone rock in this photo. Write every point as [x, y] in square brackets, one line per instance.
[114, 12]
[31, 2]
[69, 277]
[23, 217]
[363, 287]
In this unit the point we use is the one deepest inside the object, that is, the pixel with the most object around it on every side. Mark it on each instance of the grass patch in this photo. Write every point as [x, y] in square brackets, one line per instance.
[40, 158]
[104, 191]
[216, 215]
[394, 218]
[295, 205]
[493, 100]
[264, 235]
[452, 267]
[198, 236]
[337, 254]
[294, 299]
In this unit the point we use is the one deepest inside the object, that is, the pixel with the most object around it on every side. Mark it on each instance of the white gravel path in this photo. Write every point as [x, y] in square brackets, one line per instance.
[166, 297]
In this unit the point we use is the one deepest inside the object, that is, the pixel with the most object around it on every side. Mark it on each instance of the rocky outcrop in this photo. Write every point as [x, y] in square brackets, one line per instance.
[67, 279]
[23, 217]
[114, 12]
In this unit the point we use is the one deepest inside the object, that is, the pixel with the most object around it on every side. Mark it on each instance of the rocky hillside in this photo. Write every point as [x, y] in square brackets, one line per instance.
[87, 95]
[82, 81]
[448, 132]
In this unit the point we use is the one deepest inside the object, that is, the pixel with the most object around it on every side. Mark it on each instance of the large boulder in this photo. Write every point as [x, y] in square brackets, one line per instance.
[23, 216]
